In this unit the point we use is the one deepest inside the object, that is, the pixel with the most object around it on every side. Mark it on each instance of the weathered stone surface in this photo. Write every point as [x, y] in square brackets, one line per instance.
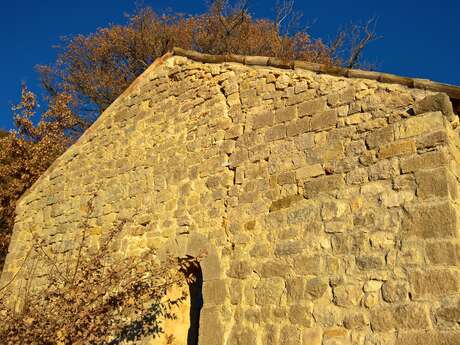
[312, 336]
[309, 171]
[290, 335]
[398, 148]
[214, 292]
[431, 140]
[240, 269]
[380, 137]
[436, 183]
[356, 321]
[304, 215]
[243, 335]
[335, 336]
[347, 295]
[394, 291]
[316, 287]
[286, 114]
[298, 127]
[419, 125]
[438, 282]
[300, 315]
[212, 329]
[263, 120]
[429, 160]
[322, 211]
[269, 291]
[285, 202]
[370, 262]
[436, 102]
[304, 264]
[408, 316]
[275, 133]
[429, 338]
[325, 120]
[326, 184]
[437, 220]
[311, 107]
[344, 97]
[442, 253]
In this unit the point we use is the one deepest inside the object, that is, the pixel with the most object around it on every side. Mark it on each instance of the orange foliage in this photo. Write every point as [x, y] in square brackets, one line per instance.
[29, 150]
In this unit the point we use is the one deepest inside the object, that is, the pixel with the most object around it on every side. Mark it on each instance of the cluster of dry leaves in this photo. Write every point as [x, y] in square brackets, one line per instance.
[100, 299]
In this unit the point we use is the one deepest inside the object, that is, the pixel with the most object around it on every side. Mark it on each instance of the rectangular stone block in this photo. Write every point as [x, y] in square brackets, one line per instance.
[429, 338]
[259, 153]
[449, 312]
[441, 253]
[324, 184]
[409, 316]
[211, 330]
[238, 157]
[286, 178]
[370, 262]
[263, 120]
[312, 336]
[275, 133]
[311, 107]
[307, 264]
[380, 137]
[286, 114]
[344, 97]
[432, 139]
[295, 289]
[285, 202]
[325, 120]
[437, 220]
[437, 102]
[304, 215]
[290, 335]
[436, 183]
[234, 132]
[418, 125]
[269, 291]
[309, 171]
[331, 151]
[398, 148]
[298, 127]
[434, 282]
[427, 160]
[214, 292]
[300, 315]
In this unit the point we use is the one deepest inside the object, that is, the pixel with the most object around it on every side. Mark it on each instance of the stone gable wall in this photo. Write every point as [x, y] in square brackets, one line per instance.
[327, 205]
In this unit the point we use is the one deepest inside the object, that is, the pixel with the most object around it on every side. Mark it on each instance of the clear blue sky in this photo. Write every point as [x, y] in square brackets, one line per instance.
[420, 37]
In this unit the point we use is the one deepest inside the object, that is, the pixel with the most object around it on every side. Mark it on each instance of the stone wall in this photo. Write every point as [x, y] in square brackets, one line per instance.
[327, 205]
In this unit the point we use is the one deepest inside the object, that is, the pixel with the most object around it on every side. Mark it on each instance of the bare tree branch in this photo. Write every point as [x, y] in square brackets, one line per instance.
[361, 36]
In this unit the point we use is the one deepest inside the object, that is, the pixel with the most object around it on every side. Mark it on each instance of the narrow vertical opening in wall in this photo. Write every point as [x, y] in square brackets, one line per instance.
[456, 105]
[196, 303]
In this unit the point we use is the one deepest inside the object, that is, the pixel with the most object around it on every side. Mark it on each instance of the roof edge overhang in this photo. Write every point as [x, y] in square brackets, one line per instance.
[425, 84]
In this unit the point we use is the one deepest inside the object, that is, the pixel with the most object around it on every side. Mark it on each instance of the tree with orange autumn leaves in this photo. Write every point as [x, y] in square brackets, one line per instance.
[92, 71]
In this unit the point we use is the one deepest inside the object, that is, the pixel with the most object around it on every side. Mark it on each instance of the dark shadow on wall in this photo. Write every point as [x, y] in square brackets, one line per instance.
[149, 324]
[196, 303]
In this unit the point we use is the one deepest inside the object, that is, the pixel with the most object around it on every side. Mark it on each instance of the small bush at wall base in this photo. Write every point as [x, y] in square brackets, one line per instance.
[101, 300]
